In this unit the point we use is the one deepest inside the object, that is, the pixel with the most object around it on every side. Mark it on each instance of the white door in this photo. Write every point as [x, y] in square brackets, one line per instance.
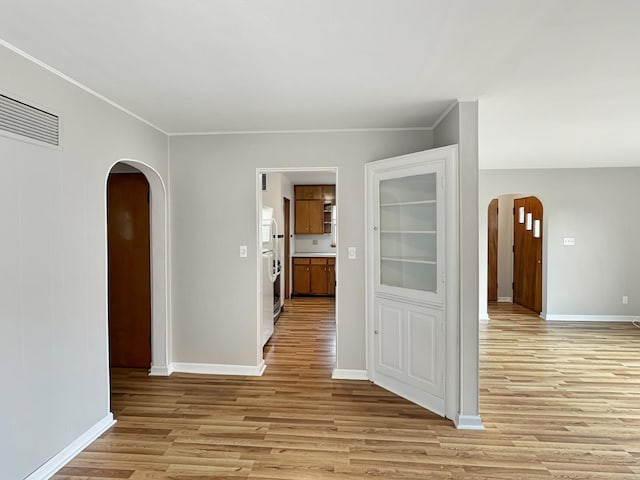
[407, 262]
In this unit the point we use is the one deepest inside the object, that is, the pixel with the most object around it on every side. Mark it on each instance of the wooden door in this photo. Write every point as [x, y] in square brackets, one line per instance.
[128, 233]
[492, 270]
[287, 248]
[527, 255]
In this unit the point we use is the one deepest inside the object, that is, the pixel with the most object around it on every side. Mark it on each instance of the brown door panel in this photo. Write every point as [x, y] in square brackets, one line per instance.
[128, 233]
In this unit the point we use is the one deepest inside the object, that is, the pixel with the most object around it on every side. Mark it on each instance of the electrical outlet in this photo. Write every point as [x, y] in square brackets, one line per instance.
[314, 242]
[351, 253]
[569, 241]
[243, 251]
[625, 300]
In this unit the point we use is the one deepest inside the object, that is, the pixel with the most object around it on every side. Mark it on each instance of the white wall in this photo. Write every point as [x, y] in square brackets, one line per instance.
[305, 243]
[213, 211]
[598, 207]
[53, 256]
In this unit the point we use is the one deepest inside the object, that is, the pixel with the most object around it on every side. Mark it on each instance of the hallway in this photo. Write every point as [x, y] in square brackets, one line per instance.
[558, 401]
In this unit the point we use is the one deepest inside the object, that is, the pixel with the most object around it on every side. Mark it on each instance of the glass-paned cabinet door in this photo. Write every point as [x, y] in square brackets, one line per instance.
[409, 227]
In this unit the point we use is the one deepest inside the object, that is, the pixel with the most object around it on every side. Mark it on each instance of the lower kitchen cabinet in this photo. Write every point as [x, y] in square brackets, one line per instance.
[314, 276]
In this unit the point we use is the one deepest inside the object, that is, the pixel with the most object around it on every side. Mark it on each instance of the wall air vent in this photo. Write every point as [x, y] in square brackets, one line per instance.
[22, 120]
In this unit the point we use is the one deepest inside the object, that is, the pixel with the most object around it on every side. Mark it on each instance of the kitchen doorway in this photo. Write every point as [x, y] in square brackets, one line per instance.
[278, 250]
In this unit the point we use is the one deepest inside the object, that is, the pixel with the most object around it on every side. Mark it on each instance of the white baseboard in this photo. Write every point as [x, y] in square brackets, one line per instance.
[588, 318]
[346, 374]
[468, 422]
[219, 369]
[74, 448]
[160, 371]
[505, 300]
[484, 317]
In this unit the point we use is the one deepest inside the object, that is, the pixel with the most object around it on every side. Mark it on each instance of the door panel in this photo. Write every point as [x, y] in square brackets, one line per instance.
[390, 339]
[128, 233]
[527, 255]
[492, 270]
[425, 329]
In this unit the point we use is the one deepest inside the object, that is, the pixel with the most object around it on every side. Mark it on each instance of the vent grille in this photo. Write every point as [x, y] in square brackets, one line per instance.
[27, 121]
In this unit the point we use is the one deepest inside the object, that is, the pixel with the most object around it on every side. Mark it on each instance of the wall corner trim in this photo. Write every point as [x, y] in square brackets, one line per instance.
[346, 374]
[74, 448]
[160, 371]
[468, 422]
[218, 369]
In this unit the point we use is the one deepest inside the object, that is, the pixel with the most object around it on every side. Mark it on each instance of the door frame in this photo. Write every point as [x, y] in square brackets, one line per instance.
[258, 246]
[452, 264]
[160, 331]
[287, 246]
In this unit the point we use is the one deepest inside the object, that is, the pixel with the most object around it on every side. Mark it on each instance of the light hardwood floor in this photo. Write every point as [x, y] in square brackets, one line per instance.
[559, 401]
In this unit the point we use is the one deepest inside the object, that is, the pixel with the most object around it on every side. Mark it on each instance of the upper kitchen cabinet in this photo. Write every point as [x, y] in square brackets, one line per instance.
[309, 217]
[313, 207]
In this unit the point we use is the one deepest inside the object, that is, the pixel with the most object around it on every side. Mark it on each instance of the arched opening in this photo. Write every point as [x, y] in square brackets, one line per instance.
[514, 251]
[159, 362]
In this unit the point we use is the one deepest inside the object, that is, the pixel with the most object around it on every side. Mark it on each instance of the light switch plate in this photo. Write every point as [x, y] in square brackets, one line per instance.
[243, 251]
[351, 253]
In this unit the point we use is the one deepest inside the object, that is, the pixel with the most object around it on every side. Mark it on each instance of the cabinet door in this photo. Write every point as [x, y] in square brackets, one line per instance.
[412, 315]
[316, 216]
[319, 282]
[308, 192]
[302, 217]
[301, 279]
[331, 278]
[329, 193]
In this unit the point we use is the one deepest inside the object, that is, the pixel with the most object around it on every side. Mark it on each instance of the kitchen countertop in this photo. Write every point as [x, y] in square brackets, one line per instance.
[314, 254]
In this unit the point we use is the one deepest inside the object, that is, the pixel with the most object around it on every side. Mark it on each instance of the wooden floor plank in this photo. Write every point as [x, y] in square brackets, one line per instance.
[558, 400]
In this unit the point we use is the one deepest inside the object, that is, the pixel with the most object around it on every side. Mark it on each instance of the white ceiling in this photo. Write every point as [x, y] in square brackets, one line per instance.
[558, 80]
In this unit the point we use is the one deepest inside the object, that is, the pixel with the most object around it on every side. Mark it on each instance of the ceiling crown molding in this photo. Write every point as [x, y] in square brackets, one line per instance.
[67, 78]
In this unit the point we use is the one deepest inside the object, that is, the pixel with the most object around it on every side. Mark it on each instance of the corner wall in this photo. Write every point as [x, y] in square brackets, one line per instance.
[461, 126]
[53, 277]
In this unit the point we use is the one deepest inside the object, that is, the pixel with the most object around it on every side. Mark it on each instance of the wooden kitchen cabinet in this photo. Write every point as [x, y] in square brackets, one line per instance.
[314, 276]
[309, 217]
[331, 276]
[309, 192]
[301, 276]
[313, 209]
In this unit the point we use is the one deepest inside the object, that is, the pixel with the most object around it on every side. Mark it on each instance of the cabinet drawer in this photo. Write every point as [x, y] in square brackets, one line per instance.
[301, 261]
[318, 261]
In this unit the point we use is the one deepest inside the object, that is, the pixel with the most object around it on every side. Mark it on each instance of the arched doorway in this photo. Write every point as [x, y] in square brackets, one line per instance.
[159, 362]
[514, 253]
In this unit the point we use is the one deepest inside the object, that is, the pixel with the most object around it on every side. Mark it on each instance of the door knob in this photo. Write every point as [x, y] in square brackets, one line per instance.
[376, 332]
